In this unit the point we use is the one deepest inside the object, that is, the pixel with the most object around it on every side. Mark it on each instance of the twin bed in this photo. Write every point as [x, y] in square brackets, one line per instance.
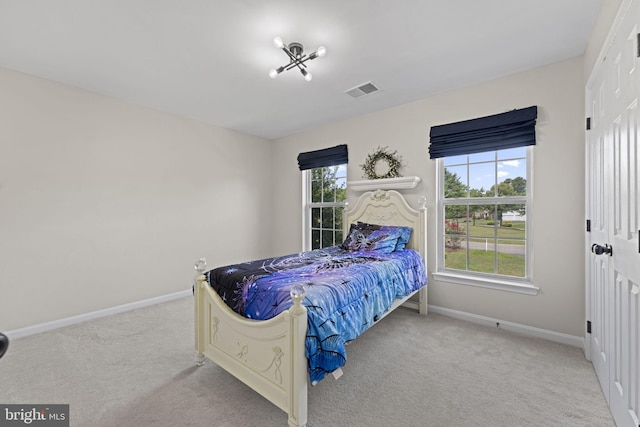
[282, 323]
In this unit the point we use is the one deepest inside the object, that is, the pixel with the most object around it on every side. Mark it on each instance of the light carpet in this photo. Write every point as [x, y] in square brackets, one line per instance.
[138, 369]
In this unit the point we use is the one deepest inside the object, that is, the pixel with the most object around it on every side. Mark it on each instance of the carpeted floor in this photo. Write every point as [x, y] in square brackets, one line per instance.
[138, 369]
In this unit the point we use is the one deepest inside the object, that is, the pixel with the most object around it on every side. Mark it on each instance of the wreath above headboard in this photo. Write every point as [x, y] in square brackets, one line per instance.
[381, 164]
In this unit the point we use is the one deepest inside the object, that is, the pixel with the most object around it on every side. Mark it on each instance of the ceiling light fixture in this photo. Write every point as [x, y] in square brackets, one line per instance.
[297, 58]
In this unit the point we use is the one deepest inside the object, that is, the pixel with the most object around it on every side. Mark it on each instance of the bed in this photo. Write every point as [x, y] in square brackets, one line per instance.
[270, 356]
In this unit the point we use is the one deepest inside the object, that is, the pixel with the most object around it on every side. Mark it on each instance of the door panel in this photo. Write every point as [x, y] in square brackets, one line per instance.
[613, 183]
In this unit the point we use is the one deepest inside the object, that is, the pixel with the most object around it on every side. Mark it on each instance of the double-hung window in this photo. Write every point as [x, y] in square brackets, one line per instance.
[326, 197]
[484, 205]
[324, 187]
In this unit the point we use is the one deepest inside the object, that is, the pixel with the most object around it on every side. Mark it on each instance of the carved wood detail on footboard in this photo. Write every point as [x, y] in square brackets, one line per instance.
[267, 355]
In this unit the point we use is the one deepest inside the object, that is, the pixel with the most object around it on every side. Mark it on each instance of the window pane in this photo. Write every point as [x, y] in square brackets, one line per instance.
[482, 177]
[316, 193]
[329, 194]
[482, 257]
[512, 173]
[327, 238]
[512, 153]
[455, 226]
[455, 258]
[315, 239]
[455, 182]
[510, 215]
[454, 213]
[455, 160]
[316, 174]
[511, 259]
[482, 157]
[493, 217]
[478, 216]
[327, 218]
[338, 217]
[315, 218]
[512, 243]
[341, 189]
[483, 227]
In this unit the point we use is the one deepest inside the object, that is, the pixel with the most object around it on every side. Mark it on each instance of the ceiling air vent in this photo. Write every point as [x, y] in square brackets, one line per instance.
[362, 90]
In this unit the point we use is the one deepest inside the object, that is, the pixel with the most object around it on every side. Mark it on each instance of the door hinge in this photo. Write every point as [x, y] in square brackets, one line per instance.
[588, 326]
[588, 226]
[588, 123]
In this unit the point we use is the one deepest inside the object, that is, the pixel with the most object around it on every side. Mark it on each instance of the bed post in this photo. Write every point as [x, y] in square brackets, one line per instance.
[422, 245]
[200, 282]
[299, 375]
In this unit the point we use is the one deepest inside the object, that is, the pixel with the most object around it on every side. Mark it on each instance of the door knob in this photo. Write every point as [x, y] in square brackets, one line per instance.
[4, 344]
[599, 250]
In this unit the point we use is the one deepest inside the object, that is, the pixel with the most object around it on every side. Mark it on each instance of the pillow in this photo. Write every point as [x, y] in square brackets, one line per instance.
[369, 237]
[405, 233]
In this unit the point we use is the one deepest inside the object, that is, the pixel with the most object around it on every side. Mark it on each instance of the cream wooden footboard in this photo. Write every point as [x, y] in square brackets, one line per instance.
[269, 355]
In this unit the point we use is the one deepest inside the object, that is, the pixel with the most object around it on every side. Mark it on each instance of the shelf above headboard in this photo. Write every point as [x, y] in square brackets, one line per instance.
[401, 183]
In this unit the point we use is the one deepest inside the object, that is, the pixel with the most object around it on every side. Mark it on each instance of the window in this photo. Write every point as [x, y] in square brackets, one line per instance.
[484, 206]
[484, 200]
[326, 194]
[324, 188]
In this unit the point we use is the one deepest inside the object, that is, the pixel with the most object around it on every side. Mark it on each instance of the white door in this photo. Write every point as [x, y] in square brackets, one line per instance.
[613, 208]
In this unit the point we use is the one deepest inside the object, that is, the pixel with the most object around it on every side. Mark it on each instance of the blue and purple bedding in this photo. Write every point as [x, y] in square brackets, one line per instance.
[347, 289]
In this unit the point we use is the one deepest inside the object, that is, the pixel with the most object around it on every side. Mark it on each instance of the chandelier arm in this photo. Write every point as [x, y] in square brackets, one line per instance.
[289, 53]
[296, 63]
[300, 65]
[304, 59]
[301, 60]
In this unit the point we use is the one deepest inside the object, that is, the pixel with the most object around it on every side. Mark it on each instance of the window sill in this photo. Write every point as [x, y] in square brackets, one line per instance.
[502, 285]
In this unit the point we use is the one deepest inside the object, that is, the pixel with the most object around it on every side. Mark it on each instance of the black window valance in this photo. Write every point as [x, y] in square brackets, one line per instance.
[333, 156]
[512, 129]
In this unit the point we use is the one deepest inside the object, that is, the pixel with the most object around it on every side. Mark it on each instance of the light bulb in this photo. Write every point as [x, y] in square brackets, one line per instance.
[308, 77]
[274, 73]
[321, 51]
[278, 42]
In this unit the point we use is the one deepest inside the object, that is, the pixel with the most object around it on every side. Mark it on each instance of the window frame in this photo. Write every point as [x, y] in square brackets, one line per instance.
[308, 205]
[487, 280]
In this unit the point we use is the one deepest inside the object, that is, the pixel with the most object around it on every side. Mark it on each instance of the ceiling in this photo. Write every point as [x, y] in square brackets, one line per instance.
[209, 59]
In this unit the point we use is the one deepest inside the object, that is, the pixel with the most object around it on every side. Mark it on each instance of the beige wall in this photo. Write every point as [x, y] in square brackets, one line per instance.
[558, 200]
[104, 203]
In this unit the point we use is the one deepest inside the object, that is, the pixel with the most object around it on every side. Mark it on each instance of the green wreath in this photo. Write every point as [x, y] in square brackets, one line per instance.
[392, 160]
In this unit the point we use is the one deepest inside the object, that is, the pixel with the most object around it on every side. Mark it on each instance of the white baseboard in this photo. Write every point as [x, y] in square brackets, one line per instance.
[558, 337]
[43, 327]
